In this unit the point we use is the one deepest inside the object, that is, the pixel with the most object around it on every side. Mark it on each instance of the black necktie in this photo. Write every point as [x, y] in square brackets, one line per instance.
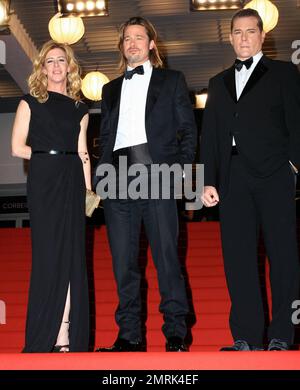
[130, 73]
[238, 64]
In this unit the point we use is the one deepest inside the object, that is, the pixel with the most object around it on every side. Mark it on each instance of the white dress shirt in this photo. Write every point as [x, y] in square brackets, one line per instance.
[131, 126]
[242, 77]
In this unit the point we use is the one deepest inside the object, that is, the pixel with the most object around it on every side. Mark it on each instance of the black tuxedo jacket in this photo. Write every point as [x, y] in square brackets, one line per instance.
[265, 122]
[169, 119]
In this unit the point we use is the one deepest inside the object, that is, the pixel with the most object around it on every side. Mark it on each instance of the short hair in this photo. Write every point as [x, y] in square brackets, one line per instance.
[154, 55]
[38, 81]
[247, 12]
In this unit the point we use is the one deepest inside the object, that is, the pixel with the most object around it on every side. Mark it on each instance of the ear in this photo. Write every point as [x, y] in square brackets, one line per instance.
[44, 70]
[263, 36]
[151, 45]
[230, 38]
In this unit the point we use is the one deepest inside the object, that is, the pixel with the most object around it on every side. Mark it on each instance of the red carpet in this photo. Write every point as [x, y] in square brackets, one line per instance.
[200, 254]
[203, 263]
[153, 361]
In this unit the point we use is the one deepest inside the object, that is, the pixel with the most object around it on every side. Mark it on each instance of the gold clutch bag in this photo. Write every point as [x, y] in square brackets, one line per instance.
[92, 201]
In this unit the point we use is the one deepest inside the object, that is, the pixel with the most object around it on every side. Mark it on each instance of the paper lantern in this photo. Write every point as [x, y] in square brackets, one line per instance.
[66, 29]
[267, 11]
[92, 85]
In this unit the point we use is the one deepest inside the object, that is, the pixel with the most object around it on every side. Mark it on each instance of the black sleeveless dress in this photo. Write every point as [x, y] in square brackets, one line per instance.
[56, 201]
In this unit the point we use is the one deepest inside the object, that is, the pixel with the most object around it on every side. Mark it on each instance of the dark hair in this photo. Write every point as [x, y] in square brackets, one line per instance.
[244, 13]
[154, 55]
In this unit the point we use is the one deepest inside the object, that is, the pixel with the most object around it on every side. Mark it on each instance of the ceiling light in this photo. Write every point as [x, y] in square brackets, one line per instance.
[4, 14]
[70, 6]
[83, 8]
[66, 29]
[213, 5]
[80, 6]
[200, 98]
[90, 5]
[92, 85]
[267, 11]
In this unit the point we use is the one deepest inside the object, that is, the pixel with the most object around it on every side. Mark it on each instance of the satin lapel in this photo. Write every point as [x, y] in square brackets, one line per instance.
[259, 71]
[229, 80]
[115, 95]
[155, 86]
[113, 102]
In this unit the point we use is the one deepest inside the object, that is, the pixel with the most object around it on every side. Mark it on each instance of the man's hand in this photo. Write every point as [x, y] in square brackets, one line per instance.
[210, 196]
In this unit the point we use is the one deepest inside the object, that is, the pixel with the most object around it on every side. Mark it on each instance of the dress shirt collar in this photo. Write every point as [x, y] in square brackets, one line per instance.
[146, 65]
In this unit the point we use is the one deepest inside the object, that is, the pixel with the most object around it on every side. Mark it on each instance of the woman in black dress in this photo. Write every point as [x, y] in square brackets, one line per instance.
[50, 130]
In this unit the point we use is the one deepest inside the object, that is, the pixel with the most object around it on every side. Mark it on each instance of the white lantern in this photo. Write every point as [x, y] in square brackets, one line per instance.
[200, 99]
[66, 29]
[92, 85]
[4, 13]
[267, 11]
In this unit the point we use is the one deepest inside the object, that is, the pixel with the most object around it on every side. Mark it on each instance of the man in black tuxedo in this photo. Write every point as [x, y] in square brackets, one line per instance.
[147, 117]
[250, 148]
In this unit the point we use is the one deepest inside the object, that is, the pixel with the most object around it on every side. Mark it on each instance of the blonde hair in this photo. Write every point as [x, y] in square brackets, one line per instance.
[154, 55]
[38, 81]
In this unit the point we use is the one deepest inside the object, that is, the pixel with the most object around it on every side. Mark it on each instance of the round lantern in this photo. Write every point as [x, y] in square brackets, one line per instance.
[4, 12]
[92, 85]
[267, 11]
[66, 29]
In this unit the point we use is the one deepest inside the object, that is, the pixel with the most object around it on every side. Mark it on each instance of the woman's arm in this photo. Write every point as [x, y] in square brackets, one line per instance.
[83, 152]
[20, 132]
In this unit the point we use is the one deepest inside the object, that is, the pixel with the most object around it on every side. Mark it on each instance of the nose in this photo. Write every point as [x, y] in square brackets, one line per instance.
[244, 36]
[132, 43]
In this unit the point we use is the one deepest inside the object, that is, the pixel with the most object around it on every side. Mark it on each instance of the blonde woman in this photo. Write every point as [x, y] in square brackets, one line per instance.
[50, 130]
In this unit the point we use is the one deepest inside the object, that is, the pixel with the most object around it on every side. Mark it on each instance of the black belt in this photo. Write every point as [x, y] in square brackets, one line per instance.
[53, 152]
[234, 151]
[137, 154]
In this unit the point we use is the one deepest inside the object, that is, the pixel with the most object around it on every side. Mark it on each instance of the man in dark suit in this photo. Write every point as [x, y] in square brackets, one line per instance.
[250, 148]
[147, 117]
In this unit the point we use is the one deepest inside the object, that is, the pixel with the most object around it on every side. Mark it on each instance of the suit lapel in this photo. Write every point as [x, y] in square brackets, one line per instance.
[116, 94]
[115, 99]
[229, 79]
[256, 75]
[155, 86]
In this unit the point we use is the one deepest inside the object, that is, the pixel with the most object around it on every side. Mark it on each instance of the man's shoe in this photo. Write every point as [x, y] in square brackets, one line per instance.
[122, 345]
[176, 344]
[61, 348]
[241, 345]
[278, 345]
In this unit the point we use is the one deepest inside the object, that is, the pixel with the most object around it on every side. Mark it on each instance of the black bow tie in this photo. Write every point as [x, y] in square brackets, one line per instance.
[130, 73]
[238, 64]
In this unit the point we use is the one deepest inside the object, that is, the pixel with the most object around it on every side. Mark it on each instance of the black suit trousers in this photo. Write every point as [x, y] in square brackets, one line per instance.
[123, 220]
[252, 203]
